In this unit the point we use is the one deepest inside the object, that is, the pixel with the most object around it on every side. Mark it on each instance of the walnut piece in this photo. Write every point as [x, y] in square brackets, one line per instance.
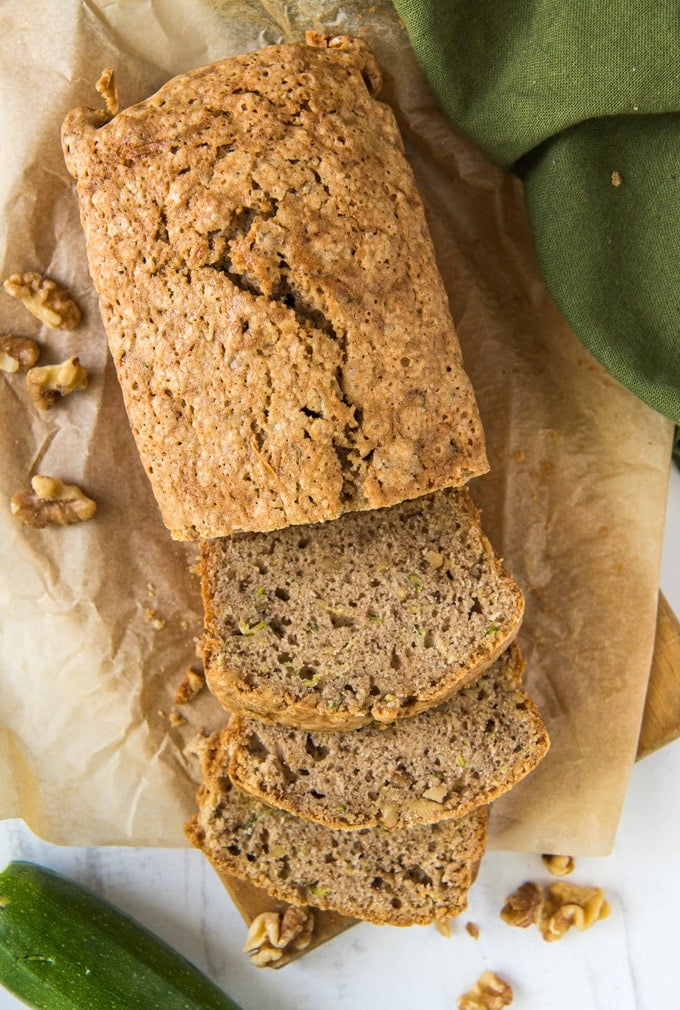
[523, 907]
[191, 683]
[50, 382]
[389, 815]
[52, 503]
[570, 905]
[559, 866]
[437, 794]
[17, 354]
[489, 993]
[44, 299]
[555, 909]
[272, 935]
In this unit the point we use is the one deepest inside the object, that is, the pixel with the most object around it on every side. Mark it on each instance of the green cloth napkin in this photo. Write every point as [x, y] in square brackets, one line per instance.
[582, 101]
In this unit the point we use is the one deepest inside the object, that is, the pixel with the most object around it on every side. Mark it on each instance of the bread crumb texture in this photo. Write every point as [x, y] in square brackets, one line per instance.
[405, 877]
[269, 289]
[372, 617]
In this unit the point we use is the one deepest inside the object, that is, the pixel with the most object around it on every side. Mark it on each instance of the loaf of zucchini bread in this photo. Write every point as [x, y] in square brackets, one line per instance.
[269, 289]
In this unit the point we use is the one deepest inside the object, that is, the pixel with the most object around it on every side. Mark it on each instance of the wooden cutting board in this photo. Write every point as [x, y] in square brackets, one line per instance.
[660, 725]
[661, 718]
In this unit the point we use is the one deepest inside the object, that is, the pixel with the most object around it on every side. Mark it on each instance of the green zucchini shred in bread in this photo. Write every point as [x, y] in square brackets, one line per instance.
[374, 616]
[269, 289]
[402, 878]
[438, 765]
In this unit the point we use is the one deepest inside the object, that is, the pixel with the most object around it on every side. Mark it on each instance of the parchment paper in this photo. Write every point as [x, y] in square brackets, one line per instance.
[98, 622]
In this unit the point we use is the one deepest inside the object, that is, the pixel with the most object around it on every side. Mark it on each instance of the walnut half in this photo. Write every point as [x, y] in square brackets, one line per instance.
[17, 354]
[273, 935]
[570, 905]
[52, 503]
[44, 299]
[555, 909]
[50, 382]
[489, 993]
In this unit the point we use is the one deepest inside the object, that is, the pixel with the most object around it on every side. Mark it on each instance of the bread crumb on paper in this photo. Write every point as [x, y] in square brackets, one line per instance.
[152, 618]
[190, 685]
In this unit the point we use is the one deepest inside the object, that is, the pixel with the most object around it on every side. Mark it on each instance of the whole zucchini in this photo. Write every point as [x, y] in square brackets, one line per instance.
[63, 948]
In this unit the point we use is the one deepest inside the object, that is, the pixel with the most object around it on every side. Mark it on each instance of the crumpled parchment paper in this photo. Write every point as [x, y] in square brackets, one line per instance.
[97, 622]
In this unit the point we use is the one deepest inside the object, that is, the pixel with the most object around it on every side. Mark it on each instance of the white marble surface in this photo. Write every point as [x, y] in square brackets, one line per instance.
[627, 962]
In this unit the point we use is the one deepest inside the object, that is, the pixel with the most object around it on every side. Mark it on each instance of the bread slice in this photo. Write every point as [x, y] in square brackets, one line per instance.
[440, 764]
[404, 877]
[372, 617]
[269, 290]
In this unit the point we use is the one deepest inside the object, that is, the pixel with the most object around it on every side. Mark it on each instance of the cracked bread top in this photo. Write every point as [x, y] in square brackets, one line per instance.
[404, 877]
[438, 765]
[375, 616]
[270, 293]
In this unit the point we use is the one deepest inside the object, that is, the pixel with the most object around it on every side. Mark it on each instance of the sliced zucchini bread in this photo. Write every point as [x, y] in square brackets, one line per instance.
[374, 616]
[440, 764]
[404, 877]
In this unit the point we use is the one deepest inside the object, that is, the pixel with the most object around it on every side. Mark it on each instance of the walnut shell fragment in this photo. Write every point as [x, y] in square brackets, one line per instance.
[50, 502]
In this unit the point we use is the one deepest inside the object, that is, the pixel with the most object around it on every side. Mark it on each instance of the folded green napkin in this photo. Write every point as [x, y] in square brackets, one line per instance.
[582, 101]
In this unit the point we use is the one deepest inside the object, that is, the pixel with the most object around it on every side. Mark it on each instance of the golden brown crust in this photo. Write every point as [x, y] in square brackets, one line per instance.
[270, 294]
